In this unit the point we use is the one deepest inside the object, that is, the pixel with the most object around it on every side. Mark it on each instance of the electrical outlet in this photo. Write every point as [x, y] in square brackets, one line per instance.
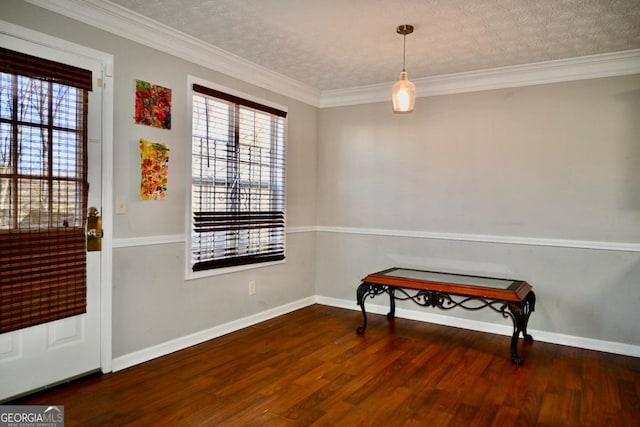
[252, 287]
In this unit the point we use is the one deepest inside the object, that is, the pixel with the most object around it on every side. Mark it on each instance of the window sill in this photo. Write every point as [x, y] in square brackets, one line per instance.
[193, 275]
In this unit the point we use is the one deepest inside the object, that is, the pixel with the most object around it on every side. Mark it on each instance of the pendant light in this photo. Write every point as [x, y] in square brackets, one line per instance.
[403, 94]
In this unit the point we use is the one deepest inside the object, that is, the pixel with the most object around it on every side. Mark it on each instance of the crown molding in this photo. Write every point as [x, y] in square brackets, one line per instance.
[115, 19]
[131, 25]
[562, 70]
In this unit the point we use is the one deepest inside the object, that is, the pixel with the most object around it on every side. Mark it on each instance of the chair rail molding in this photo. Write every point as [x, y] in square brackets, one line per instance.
[487, 238]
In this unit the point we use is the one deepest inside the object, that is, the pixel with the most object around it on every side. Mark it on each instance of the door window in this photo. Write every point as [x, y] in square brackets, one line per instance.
[43, 189]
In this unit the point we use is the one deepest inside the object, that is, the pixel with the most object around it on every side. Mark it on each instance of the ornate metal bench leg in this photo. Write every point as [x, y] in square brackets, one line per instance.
[519, 313]
[369, 290]
[392, 304]
[363, 289]
[515, 359]
[529, 305]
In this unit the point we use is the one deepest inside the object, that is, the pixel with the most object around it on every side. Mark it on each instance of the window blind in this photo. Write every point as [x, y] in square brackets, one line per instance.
[238, 179]
[43, 190]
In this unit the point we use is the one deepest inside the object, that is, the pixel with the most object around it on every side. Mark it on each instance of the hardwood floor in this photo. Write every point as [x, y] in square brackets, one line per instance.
[310, 368]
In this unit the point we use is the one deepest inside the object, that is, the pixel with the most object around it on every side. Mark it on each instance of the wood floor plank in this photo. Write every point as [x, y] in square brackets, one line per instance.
[486, 415]
[310, 368]
[464, 416]
[506, 417]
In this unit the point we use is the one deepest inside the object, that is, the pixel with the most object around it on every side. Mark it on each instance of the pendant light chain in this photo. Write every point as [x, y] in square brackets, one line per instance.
[404, 52]
[404, 30]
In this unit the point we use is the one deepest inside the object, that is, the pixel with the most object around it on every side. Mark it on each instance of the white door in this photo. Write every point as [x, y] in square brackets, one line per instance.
[45, 354]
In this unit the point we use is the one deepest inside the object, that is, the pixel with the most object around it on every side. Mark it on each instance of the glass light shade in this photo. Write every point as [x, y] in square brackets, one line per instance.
[403, 95]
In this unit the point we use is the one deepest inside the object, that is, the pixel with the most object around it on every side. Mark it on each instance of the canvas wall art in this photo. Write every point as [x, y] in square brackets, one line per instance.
[153, 105]
[154, 168]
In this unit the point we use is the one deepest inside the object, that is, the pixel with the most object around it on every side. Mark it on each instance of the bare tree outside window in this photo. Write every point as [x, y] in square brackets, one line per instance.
[43, 189]
[38, 139]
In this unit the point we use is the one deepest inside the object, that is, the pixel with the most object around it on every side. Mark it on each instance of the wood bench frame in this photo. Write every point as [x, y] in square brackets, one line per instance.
[516, 301]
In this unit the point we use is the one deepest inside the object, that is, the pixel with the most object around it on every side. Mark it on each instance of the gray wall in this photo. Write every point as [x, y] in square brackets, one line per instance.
[555, 162]
[552, 164]
[152, 303]
[550, 161]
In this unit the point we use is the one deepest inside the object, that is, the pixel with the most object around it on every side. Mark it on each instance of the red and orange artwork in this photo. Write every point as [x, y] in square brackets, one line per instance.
[153, 105]
[154, 168]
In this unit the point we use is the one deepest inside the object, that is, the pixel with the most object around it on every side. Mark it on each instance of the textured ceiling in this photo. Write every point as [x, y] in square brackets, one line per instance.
[335, 44]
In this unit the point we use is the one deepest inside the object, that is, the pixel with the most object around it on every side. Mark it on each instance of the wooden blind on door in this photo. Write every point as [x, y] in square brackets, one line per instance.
[43, 190]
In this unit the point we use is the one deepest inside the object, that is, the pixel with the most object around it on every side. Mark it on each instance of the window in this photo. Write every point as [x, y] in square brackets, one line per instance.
[43, 189]
[237, 181]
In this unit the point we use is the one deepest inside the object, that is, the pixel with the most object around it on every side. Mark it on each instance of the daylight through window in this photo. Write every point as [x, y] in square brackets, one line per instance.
[237, 187]
[43, 189]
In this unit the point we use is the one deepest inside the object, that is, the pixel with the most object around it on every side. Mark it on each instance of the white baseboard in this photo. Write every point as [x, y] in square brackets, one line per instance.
[171, 346]
[181, 343]
[543, 336]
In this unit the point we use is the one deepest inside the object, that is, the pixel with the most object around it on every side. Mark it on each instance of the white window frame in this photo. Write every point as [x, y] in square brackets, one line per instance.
[189, 273]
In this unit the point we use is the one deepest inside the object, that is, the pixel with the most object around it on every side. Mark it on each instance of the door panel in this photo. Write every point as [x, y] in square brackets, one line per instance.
[41, 355]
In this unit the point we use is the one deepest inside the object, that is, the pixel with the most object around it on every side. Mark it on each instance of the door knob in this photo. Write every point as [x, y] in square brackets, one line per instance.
[94, 230]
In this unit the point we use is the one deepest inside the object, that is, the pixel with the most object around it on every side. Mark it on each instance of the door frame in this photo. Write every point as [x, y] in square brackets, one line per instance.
[106, 256]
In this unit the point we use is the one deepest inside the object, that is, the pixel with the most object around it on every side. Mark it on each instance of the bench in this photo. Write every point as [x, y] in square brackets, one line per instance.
[511, 298]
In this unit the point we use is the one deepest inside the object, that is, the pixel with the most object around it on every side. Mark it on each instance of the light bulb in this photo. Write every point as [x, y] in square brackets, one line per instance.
[403, 94]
